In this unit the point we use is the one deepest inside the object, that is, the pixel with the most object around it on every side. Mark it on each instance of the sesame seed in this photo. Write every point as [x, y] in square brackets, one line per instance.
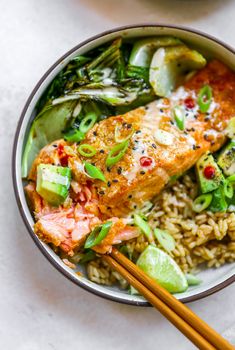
[135, 206]
[206, 119]
[101, 192]
[142, 172]
[142, 151]
[194, 147]
[171, 121]
[129, 126]
[115, 180]
[119, 171]
[108, 169]
[108, 183]
[130, 196]
[135, 148]
[94, 133]
[161, 110]
[153, 145]
[101, 151]
[138, 132]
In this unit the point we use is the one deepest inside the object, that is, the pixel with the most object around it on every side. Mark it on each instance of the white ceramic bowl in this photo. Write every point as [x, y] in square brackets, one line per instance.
[213, 279]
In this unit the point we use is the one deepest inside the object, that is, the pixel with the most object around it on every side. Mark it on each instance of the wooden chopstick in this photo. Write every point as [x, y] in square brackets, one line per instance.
[201, 334]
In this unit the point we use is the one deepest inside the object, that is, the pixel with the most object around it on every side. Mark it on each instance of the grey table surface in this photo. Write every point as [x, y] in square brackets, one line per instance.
[39, 308]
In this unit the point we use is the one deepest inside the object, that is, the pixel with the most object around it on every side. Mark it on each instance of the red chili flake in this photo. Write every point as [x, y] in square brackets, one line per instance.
[189, 103]
[60, 150]
[145, 161]
[209, 172]
[64, 160]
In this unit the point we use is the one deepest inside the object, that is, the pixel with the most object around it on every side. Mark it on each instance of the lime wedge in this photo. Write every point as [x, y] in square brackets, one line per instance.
[163, 269]
[169, 65]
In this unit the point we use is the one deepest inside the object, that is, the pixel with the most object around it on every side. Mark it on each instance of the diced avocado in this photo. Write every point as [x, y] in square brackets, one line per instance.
[169, 66]
[226, 159]
[206, 184]
[53, 183]
[218, 203]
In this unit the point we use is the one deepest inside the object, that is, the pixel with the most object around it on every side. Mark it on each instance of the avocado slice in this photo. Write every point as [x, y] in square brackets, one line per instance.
[53, 183]
[226, 159]
[208, 185]
[170, 64]
[218, 203]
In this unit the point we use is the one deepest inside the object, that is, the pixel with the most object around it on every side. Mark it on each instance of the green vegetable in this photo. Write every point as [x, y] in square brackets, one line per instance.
[204, 98]
[144, 49]
[144, 227]
[202, 202]
[111, 94]
[165, 239]
[85, 147]
[170, 65]
[231, 179]
[162, 269]
[138, 73]
[226, 159]
[116, 153]
[46, 127]
[74, 135]
[88, 256]
[192, 280]
[97, 235]
[208, 185]
[231, 128]
[179, 115]
[228, 188]
[218, 203]
[53, 183]
[87, 122]
[94, 172]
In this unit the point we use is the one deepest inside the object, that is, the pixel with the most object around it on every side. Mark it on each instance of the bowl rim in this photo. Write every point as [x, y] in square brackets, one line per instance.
[49, 257]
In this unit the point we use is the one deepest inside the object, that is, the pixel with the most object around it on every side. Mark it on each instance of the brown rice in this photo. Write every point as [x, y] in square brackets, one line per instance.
[206, 238]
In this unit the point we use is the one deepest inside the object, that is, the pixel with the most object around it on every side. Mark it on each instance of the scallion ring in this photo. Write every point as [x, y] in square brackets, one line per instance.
[231, 179]
[202, 202]
[144, 227]
[228, 188]
[97, 235]
[116, 153]
[165, 239]
[87, 150]
[74, 135]
[87, 122]
[179, 116]
[117, 134]
[94, 172]
[204, 98]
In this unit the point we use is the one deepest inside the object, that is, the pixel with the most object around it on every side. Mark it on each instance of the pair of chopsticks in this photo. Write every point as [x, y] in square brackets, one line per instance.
[194, 328]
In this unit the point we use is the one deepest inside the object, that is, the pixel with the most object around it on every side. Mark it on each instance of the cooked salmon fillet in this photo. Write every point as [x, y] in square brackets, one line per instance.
[158, 150]
[130, 183]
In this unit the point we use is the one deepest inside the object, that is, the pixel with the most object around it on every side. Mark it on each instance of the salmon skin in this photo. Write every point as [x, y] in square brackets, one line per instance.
[158, 150]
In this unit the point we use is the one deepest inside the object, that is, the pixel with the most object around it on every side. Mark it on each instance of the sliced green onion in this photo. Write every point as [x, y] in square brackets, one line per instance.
[204, 98]
[144, 226]
[202, 202]
[179, 116]
[228, 188]
[88, 122]
[116, 153]
[82, 149]
[230, 130]
[97, 235]
[231, 179]
[94, 172]
[165, 239]
[74, 135]
[192, 279]
[117, 135]
[88, 256]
